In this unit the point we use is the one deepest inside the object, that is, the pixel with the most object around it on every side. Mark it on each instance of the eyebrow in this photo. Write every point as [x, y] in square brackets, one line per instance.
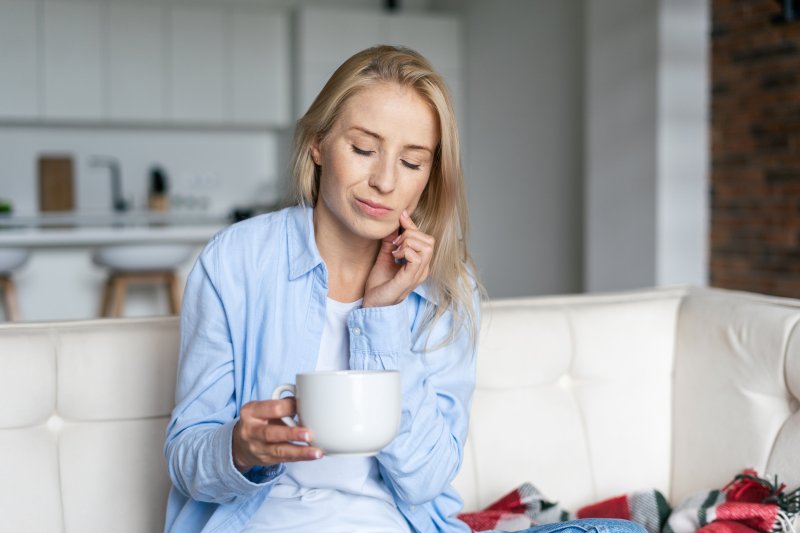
[380, 138]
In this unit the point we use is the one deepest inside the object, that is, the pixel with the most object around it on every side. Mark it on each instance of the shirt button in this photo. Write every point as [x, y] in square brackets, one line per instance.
[356, 331]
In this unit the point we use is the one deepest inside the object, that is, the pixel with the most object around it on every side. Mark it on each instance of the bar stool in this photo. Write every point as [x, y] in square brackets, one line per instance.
[10, 260]
[150, 264]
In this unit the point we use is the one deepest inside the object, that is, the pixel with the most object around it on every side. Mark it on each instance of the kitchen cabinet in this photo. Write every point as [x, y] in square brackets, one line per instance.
[326, 37]
[229, 66]
[438, 38]
[198, 74]
[74, 82]
[136, 62]
[19, 73]
[127, 62]
[261, 74]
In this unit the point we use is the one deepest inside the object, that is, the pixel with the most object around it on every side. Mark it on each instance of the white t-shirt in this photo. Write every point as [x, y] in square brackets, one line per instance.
[333, 494]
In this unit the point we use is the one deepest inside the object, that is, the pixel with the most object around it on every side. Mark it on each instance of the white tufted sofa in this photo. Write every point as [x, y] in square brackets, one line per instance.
[585, 396]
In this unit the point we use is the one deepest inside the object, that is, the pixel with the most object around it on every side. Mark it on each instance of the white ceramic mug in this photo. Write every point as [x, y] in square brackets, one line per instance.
[349, 412]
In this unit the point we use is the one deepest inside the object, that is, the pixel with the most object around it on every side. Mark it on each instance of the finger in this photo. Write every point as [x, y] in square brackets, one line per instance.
[416, 238]
[413, 258]
[270, 409]
[422, 246]
[275, 433]
[418, 241]
[406, 222]
[289, 453]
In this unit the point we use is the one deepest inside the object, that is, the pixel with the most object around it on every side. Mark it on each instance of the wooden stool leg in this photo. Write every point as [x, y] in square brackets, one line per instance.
[119, 287]
[105, 301]
[174, 293]
[10, 299]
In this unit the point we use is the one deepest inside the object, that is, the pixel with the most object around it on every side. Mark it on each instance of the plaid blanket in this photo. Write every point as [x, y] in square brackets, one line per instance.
[748, 504]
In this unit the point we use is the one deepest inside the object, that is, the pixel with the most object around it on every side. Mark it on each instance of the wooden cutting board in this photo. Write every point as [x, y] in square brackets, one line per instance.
[56, 186]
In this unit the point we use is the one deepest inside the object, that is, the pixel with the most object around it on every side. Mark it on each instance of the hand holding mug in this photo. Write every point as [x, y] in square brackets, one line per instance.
[260, 437]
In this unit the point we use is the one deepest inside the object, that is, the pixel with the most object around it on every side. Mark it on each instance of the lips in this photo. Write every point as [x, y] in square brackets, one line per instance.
[374, 209]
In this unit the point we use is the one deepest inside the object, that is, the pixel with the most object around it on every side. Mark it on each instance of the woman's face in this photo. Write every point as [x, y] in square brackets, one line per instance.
[376, 160]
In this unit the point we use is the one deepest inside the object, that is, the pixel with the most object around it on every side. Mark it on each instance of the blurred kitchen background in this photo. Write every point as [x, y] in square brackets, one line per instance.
[608, 144]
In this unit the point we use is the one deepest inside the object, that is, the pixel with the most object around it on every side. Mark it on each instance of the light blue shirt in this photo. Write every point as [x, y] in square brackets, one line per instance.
[252, 317]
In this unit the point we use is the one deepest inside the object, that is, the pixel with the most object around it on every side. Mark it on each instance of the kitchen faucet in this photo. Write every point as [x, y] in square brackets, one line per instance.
[117, 201]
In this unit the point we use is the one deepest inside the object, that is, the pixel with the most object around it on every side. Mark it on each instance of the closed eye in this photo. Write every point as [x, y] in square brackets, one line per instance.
[359, 151]
[412, 166]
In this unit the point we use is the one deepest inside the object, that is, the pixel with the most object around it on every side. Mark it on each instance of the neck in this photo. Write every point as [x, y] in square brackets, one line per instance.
[348, 258]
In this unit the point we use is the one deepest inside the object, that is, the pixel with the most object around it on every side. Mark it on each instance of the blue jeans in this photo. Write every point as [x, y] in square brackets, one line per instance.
[589, 525]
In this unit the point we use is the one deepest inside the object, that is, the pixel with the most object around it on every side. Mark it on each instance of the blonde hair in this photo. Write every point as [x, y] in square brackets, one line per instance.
[442, 208]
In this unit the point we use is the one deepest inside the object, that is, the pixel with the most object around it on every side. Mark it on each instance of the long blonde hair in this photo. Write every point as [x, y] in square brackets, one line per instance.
[442, 208]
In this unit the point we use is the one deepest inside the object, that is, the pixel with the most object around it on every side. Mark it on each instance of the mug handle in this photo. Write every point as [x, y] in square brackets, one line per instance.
[276, 395]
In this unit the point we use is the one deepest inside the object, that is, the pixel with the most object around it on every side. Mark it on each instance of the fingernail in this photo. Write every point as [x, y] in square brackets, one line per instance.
[306, 437]
[318, 454]
[405, 213]
[396, 240]
[395, 251]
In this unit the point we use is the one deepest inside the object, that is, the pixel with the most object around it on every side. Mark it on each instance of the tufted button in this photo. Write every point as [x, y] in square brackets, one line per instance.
[356, 331]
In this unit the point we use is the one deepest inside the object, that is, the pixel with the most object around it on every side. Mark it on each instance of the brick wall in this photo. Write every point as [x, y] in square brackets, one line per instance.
[755, 148]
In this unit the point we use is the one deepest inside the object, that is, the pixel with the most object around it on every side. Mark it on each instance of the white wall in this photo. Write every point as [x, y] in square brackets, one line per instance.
[621, 121]
[682, 254]
[646, 143]
[523, 147]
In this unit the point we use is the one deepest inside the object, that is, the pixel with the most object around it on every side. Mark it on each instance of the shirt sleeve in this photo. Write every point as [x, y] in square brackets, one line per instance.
[199, 435]
[437, 388]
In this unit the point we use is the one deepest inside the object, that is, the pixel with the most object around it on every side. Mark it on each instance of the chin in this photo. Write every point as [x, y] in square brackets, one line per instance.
[374, 229]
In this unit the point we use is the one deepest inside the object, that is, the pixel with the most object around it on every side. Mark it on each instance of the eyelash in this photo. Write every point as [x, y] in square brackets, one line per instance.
[367, 153]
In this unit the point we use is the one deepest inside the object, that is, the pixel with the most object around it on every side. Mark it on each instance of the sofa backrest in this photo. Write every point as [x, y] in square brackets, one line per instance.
[585, 396]
[84, 410]
[592, 396]
[573, 395]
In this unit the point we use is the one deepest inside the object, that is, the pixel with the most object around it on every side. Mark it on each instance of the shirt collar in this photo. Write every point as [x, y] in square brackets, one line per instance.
[304, 255]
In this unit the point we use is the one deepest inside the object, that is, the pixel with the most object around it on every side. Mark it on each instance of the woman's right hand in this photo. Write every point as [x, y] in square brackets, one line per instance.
[261, 438]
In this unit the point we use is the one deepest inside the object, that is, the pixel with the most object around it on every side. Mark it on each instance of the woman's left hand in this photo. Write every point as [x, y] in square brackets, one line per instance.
[390, 281]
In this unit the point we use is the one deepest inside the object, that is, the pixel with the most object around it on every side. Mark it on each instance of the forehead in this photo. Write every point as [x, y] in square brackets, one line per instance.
[393, 111]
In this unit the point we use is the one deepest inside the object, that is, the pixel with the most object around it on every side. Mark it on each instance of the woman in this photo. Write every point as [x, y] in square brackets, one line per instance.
[333, 283]
[369, 271]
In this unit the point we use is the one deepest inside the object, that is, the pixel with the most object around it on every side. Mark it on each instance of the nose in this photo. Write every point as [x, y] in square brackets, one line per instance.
[384, 175]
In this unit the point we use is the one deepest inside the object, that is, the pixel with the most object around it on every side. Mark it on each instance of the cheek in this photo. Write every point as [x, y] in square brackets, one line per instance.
[415, 193]
[345, 168]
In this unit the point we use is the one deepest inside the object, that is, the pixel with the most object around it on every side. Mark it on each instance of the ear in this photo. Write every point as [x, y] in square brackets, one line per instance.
[316, 154]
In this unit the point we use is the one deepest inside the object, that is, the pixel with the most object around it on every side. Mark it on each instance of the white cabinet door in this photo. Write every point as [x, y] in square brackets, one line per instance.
[325, 38]
[136, 51]
[261, 75]
[439, 39]
[19, 51]
[74, 85]
[198, 75]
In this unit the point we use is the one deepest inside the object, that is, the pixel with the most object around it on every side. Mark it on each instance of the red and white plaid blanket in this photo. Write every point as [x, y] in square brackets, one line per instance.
[748, 504]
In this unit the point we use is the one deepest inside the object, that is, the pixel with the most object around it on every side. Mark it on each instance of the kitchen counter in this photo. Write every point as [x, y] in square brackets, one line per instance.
[98, 229]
